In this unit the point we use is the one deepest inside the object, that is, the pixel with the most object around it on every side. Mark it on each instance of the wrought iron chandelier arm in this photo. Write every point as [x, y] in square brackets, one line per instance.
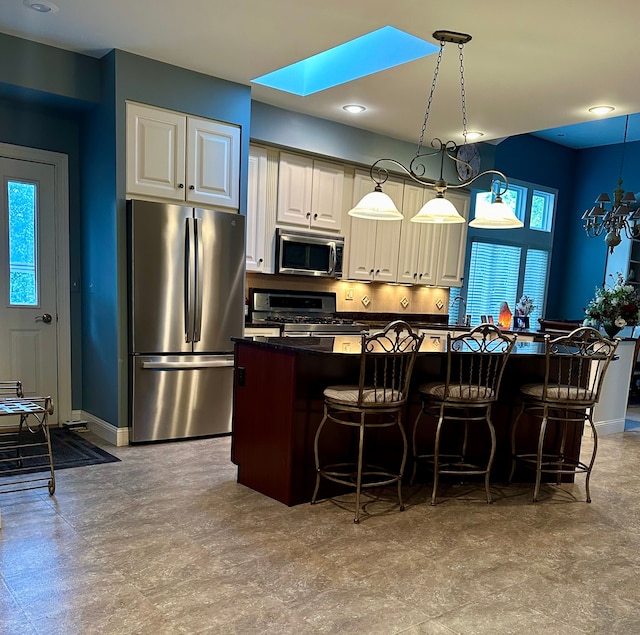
[504, 182]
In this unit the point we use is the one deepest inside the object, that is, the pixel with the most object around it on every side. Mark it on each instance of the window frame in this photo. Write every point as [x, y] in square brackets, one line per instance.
[525, 238]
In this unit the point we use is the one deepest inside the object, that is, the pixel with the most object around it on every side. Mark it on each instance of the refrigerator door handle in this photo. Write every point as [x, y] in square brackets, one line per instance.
[224, 362]
[189, 279]
[199, 269]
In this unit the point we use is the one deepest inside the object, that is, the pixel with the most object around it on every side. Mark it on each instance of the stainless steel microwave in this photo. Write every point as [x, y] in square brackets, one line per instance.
[309, 254]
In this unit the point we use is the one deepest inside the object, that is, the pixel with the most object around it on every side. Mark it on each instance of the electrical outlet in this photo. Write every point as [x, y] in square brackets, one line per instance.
[348, 294]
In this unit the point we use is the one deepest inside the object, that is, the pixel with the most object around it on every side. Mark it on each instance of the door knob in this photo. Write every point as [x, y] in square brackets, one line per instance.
[46, 318]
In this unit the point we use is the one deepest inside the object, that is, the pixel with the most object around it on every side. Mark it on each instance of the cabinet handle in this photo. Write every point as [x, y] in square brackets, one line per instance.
[315, 216]
[308, 214]
[420, 277]
[180, 186]
[259, 261]
[415, 276]
[371, 272]
[377, 272]
[192, 187]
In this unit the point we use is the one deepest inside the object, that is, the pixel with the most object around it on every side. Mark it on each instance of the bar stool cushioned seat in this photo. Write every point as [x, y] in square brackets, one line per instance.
[575, 366]
[475, 363]
[377, 401]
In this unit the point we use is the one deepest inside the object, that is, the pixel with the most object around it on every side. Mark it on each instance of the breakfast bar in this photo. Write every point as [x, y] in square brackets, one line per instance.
[278, 405]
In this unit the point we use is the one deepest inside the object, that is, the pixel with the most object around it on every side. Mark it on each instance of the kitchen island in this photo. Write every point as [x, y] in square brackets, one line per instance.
[278, 405]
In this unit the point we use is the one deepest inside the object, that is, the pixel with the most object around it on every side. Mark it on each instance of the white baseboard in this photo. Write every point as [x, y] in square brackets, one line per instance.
[605, 427]
[99, 427]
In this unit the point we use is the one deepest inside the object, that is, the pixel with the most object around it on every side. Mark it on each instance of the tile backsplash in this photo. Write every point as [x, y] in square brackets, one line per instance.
[353, 296]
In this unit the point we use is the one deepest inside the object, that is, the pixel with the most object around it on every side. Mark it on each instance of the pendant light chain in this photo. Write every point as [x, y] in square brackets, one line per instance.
[624, 144]
[431, 93]
[463, 94]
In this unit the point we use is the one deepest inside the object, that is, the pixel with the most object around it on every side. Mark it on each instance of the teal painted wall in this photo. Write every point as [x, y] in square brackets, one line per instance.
[55, 130]
[541, 162]
[131, 77]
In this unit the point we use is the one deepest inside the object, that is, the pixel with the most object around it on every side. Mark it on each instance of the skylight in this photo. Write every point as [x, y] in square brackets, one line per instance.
[371, 53]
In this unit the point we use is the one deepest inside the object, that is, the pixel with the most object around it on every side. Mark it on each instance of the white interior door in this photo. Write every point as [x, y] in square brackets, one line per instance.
[28, 302]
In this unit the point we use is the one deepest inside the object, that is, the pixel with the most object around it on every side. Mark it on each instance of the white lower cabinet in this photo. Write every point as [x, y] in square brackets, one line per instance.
[374, 245]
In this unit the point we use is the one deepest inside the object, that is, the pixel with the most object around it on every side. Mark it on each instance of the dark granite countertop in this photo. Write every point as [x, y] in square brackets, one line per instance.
[350, 345]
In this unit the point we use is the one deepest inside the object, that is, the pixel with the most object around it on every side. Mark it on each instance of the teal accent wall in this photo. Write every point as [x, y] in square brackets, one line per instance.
[276, 126]
[46, 74]
[541, 162]
[55, 130]
[130, 77]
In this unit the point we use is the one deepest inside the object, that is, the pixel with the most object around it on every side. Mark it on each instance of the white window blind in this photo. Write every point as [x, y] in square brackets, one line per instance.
[535, 281]
[493, 279]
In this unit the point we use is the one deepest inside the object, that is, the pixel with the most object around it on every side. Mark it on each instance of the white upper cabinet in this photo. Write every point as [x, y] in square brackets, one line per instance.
[432, 254]
[256, 210]
[373, 245]
[261, 209]
[310, 192]
[180, 158]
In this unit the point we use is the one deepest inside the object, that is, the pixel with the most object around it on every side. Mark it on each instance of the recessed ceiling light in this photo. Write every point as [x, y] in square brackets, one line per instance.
[354, 108]
[474, 135]
[44, 6]
[601, 110]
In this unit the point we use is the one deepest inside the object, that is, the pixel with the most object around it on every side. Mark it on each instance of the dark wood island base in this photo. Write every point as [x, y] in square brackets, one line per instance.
[278, 405]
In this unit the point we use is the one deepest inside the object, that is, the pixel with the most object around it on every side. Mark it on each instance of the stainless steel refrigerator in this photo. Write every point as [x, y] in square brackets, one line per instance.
[186, 301]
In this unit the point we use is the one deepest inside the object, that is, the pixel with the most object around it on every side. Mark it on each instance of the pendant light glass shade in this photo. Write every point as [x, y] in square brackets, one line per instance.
[497, 215]
[438, 210]
[376, 206]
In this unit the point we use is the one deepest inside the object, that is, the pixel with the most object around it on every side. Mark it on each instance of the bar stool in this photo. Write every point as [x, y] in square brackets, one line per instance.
[575, 366]
[475, 364]
[377, 401]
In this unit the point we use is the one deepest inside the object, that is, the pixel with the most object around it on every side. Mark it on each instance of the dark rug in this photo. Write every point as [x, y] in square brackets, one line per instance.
[68, 448]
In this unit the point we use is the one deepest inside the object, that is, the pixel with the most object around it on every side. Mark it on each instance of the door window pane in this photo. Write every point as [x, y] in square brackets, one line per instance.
[23, 282]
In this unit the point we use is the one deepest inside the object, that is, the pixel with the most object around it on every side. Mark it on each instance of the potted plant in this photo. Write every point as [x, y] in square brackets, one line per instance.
[524, 307]
[614, 307]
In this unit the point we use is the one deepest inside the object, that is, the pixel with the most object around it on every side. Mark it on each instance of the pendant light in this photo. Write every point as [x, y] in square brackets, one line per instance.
[439, 209]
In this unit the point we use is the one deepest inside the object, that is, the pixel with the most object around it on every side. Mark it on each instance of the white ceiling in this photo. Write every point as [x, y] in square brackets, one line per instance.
[529, 67]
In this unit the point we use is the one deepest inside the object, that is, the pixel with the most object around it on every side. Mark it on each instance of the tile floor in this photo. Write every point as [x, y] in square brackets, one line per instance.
[167, 542]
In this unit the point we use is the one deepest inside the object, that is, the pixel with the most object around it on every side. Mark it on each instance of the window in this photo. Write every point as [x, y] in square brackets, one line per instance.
[23, 283]
[503, 265]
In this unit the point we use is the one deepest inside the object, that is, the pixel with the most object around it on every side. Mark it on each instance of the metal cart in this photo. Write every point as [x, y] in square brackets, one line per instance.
[26, 439]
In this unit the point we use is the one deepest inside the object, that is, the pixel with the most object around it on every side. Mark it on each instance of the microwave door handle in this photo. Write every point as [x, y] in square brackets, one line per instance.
[332, 258]
[199, 268]
[188, 280]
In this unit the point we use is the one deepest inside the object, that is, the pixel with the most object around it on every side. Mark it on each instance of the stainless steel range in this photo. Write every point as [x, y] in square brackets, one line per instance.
[300, 313]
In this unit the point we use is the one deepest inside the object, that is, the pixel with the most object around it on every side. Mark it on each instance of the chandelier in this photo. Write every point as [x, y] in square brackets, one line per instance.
[496, 215]
[621, 217]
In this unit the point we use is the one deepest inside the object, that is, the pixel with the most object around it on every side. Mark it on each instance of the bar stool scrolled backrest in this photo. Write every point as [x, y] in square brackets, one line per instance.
[569, 360]
[475, 364]
[386, 364]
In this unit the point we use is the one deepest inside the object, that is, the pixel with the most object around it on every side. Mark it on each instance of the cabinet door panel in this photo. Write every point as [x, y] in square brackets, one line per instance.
[256, 209]
[326, 199]
[413, 199]
[362, 249]
[387, 245]
[213, 166]
[294, 189]
[155, 152]
[453, 245]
